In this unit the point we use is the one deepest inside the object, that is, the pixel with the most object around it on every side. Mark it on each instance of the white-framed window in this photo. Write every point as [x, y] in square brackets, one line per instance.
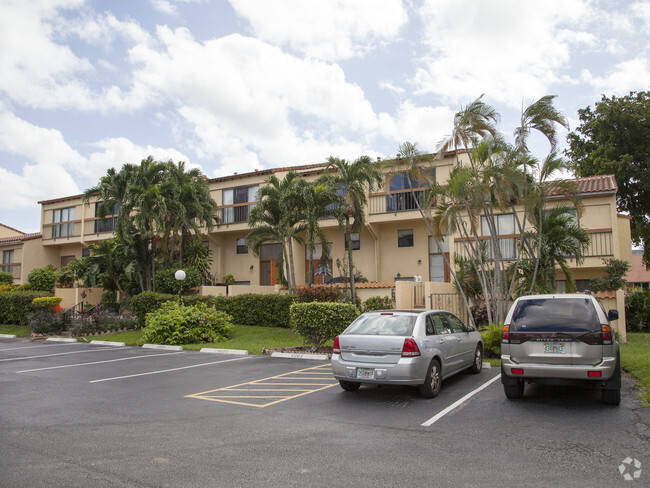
[505, 226]
[238, 202]
[242, 247]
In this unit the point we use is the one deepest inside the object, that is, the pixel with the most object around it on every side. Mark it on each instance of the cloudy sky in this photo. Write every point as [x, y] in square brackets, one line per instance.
[235, 85]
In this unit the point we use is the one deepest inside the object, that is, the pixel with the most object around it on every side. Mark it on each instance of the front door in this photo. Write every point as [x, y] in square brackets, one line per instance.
[269, 255]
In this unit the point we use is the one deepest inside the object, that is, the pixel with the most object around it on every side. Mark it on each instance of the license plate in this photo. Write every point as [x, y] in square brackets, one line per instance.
[554, 348]
[366, 374]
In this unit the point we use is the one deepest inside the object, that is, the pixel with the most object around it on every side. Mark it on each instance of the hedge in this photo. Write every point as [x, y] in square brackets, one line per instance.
[249, 309]
[16, 305]
[319, 322]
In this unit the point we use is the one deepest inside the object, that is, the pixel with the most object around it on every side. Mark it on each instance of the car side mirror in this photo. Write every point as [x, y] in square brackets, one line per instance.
[612, 315]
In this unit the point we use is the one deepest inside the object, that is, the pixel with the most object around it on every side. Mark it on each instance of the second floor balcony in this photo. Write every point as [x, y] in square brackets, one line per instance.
[397, 201]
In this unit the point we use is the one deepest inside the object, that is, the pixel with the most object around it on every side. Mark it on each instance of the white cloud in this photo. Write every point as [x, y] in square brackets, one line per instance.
[164, 7]
[626, 76]
[337, 29]
[510, 49]
[642, 11]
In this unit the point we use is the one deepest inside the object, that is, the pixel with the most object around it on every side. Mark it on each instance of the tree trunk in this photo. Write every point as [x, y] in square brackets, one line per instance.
[350, 264]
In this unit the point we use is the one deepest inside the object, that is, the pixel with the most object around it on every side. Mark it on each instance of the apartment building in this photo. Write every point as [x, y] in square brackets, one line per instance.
[395, 244]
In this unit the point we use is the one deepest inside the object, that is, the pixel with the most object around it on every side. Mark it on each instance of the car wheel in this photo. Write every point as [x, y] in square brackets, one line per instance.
[478, 360]
[433, 381]
[514, 391]
[350, 385]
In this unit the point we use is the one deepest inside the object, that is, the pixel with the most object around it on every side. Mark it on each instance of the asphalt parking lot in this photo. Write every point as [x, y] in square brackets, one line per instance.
[81, 415]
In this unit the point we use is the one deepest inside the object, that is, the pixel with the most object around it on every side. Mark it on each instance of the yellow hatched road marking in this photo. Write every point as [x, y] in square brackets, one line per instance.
[294, 378]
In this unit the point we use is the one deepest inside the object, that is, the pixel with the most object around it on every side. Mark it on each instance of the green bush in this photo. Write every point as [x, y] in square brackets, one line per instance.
[377, 303]
[15, 305]
[492, 340]
[167, 283]
[318, 293]
[6, 278]
[175, 323]
[637, 311]
[43, 321]
[46, 302]
[100, 321]
[319, 322]
[147, 302]
[42, 279]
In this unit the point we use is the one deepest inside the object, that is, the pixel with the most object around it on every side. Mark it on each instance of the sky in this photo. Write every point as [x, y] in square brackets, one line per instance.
[238, 85]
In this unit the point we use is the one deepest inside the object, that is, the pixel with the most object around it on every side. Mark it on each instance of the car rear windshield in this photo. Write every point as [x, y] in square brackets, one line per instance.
[376, 324]
[555, 314]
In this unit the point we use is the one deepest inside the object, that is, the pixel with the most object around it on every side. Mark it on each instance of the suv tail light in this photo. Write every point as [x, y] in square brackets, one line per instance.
[505, 334]
[607, 334]
[336, 349]
[410, 348]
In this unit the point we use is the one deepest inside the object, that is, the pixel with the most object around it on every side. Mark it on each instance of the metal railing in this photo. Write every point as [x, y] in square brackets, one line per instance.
[402, 201]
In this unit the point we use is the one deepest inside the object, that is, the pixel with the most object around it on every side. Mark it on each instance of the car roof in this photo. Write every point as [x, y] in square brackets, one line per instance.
[556, 295]
[415, 311]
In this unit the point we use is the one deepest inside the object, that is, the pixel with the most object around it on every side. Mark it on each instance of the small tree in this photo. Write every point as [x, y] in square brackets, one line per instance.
[614, 269]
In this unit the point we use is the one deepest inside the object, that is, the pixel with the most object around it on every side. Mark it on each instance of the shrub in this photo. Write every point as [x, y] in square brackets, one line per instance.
[377, 303]
[175, 323]
[42, 279]
[100, 321]
[147, 302]
[308, 294]
[318, 322]
[6, 278]
[43, 321]
[47, 303]
[492, 340]
[637, 311]
[109, 301]
[15, 305]
[5, 287]
[167, 283]
[480, 315]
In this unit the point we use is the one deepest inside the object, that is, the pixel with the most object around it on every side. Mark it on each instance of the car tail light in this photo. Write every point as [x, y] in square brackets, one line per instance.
[594, 374]
[410, 348]
[517, 371]
[607, 334]
[336, 349]
[505, 335]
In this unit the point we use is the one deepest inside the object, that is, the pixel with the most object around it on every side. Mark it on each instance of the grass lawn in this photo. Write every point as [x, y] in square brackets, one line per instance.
[635, 360]
[18, 330]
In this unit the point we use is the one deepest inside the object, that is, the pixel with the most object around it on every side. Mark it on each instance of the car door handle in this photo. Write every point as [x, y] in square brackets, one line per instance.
[441, 341]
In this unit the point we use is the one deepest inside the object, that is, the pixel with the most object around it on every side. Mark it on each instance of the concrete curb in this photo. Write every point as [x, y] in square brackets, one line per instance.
[162, 347]
[487, 366]
[60, 339]
[107, 343]
[7, 336]
[299, 355]
[234, 352]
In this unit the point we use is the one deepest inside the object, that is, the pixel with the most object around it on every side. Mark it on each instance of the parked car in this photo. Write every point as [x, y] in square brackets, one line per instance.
[560, 337]
[405, 347]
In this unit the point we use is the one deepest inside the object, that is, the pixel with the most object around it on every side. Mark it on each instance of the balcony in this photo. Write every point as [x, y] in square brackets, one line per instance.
[62, 230]
[398, 201]
[235, 214]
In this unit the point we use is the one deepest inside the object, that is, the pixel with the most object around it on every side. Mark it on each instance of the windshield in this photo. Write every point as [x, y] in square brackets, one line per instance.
[555, 315]
[375, 324]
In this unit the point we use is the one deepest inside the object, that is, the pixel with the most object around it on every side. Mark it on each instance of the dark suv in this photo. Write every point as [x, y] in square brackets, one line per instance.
[565, 337]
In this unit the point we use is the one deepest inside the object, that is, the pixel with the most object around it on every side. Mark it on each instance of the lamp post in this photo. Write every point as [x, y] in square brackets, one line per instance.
[180, 276]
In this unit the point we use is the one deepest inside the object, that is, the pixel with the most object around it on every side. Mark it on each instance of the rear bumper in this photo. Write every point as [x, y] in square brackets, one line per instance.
[408, 371]
[533, 371]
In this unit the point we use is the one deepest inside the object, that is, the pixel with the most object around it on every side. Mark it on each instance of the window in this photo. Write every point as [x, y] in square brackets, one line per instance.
[456, 325]
[62, 219]
[405, 238]
[321, 265]
[85, 252]
[353, 241]
[65, 260]
[242, 247]
[7, 259]
[505, 226]
[237, 202]
[109, 220]
[437, 325]
[401, 195]
[438, 270]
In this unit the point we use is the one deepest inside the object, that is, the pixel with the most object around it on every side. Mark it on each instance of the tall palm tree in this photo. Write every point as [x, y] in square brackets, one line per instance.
[317, 200]
[275, 219]
[354, 181]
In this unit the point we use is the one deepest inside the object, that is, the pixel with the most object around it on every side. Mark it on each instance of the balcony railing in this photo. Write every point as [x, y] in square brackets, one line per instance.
[62, 230]
[401, 201]
[238, 213]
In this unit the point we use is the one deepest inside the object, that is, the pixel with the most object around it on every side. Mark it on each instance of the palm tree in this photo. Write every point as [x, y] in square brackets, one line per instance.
[353, 181]
[274, 219]
[317, 200]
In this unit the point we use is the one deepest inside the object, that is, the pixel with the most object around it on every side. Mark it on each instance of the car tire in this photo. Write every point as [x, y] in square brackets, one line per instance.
[611, 394]
[478, 360]
[433, 380]
[349, 385]
[514, 391]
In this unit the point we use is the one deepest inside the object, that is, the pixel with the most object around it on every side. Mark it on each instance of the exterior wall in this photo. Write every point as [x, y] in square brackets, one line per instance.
[75, 295]
[8, 232]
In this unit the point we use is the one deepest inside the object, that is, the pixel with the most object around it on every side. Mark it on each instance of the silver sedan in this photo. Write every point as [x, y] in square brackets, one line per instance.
[405, 347]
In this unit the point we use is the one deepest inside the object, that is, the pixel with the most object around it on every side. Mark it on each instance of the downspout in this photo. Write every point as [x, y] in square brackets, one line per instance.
[377, 257]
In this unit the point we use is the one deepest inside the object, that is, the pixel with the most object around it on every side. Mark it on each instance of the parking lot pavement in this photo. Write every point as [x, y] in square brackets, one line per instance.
[82, 415]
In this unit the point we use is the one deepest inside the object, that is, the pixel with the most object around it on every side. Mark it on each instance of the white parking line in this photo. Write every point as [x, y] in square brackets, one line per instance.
[98, 362]
[32, 347]
[57, 354]
[166, 370]
[456, 404]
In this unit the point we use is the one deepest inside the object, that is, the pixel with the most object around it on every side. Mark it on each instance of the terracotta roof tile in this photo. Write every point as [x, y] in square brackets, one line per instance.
[21, 238]
[597, 184]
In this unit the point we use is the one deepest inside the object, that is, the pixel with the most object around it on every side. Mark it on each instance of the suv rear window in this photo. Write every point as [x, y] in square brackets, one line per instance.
[376, 324]
[555, 314]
